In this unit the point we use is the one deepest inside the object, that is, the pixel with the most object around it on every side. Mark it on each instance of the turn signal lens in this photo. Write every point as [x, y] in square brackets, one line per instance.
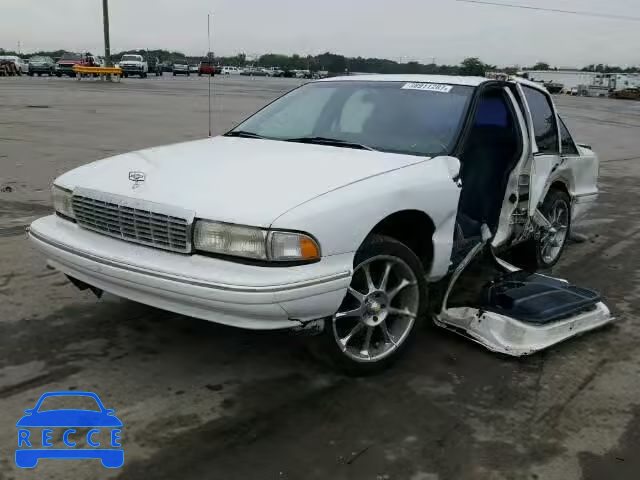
[62, 201]
[289, 246]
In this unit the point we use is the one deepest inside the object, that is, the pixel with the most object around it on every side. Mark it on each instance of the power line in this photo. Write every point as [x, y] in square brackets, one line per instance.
[556, 10]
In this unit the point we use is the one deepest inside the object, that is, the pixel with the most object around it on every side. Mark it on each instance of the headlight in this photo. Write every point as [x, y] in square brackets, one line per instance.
[62, 201]
[229, 239]
[255, 243]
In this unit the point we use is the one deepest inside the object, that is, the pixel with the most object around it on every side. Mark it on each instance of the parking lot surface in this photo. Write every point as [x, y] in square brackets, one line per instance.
[199, 400]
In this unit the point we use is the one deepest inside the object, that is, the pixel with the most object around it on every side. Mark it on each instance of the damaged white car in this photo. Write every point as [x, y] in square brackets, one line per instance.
[351, 207]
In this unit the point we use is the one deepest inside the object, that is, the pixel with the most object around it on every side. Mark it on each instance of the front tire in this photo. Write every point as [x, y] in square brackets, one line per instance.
[379, 316]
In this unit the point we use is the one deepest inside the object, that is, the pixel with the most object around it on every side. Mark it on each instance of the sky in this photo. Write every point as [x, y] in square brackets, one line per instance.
[402, 30]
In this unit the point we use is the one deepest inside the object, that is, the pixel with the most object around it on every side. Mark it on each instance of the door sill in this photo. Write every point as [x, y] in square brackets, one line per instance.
[507, 335]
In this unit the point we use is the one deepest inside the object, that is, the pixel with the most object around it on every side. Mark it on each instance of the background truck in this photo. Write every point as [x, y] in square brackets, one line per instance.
[64, 66]
[133, 64]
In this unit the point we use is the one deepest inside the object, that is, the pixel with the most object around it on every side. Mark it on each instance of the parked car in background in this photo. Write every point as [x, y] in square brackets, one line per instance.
[208, 68]
[21, 65]
[39, 65]
[301, 73]
[64, 66]
[133, 64]
[273, 71]
[414, 177]
[231, 70]
[180, 67]
[193, 68]
[154, 66]
[254, 72]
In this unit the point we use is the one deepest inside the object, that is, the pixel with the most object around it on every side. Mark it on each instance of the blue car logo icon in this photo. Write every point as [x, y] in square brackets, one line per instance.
[34, 443]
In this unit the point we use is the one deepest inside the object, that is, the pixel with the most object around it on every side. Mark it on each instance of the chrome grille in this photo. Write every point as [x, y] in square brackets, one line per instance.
[132, 220]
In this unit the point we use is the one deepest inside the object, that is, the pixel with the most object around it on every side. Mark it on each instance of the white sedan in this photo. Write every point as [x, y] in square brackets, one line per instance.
[342, 209]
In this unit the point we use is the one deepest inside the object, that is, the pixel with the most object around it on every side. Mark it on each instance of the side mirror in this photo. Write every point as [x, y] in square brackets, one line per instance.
[29, 410]
[109, 411]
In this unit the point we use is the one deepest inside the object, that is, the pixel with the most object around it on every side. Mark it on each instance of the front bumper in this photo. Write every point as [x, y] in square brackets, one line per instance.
[40, 69]
[221, 291]
[65, 70]
[132, 69]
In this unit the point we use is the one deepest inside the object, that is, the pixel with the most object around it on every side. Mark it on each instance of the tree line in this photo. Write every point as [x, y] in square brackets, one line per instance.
[336, 64]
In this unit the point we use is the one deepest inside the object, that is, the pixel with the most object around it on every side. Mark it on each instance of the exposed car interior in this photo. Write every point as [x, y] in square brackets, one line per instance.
[490, 151]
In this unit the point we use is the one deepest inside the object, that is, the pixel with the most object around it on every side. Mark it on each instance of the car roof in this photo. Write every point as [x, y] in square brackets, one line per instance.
[418, 78]
[450, 79]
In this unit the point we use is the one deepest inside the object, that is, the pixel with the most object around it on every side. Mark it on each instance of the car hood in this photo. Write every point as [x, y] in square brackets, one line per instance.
[235, 180]
[69, 418]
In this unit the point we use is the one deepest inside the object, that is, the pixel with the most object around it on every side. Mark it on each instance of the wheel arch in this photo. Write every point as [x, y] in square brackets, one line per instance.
[561, 185]
[414, 228]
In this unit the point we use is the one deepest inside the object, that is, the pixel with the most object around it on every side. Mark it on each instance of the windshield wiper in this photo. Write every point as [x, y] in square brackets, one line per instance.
[334, 142]
[242, 134]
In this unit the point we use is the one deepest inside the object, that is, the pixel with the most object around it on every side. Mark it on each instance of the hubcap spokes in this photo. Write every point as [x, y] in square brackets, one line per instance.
[379, 311]
[553, 241]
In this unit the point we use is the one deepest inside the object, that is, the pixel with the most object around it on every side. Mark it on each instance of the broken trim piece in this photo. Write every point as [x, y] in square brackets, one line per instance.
[509, 336]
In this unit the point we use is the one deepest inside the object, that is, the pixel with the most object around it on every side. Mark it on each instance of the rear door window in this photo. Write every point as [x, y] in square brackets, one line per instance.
[568, 145]
[544, 120]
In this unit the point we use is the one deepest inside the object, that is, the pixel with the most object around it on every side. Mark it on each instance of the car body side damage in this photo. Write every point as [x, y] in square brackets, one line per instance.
[515, 312]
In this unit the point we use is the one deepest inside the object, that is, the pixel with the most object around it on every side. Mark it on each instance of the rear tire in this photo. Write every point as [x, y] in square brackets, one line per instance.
[381, 312]
[544, 252]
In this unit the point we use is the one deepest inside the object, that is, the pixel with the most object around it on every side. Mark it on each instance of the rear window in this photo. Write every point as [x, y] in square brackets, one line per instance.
[544, 120]
[71, 56]
[568, 145]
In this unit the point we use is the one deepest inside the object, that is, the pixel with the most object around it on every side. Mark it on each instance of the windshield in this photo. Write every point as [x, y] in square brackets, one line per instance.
[132, 58]
[69, 402]
[38, 59]
[180, 62]
[71, 56]
[400, 117]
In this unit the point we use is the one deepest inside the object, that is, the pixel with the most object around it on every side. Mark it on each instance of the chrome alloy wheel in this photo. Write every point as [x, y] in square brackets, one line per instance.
[379, 310]
[552, 242]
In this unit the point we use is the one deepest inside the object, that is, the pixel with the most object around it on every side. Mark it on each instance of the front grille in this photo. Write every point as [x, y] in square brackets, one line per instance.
[134, 222]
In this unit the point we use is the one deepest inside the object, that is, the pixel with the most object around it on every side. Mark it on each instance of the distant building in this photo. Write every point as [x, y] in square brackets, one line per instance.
[571, 79]
[567, 78]
[622, 81]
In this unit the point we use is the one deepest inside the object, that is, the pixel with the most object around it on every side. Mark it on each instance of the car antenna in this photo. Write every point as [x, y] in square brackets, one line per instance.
[210, 61]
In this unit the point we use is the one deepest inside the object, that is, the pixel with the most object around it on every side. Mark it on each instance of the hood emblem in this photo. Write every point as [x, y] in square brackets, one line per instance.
[137, 178]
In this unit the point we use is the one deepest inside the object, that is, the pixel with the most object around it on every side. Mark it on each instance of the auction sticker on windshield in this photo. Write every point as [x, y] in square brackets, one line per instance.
[428, 87]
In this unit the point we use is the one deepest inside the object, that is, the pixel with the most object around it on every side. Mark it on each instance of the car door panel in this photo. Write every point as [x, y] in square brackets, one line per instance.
[510, 201]
[545, 138]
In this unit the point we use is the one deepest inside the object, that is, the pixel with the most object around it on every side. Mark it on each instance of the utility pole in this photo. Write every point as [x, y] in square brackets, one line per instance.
[107, 46]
